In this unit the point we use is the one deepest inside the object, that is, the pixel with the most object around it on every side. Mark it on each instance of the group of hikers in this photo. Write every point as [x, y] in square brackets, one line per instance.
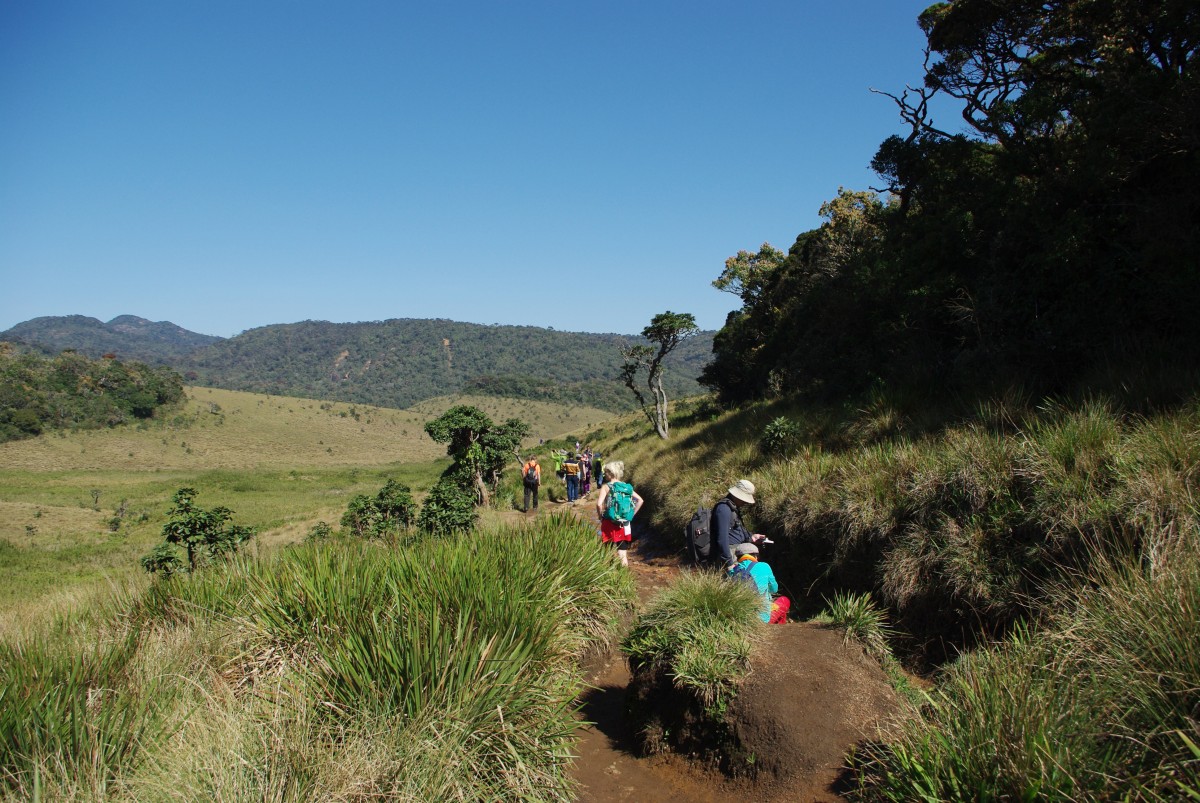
[731, 548]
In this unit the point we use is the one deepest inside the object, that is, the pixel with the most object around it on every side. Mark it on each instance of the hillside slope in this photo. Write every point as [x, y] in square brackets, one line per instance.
[400, 362]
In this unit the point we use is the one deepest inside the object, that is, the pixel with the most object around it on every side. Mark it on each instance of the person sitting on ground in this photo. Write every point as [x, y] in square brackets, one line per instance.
[727, 528]
[775, 609]
[531, 474]
[616, 494]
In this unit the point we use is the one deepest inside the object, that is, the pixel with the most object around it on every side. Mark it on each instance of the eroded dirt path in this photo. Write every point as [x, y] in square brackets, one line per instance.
[608, 768]
[808, 700]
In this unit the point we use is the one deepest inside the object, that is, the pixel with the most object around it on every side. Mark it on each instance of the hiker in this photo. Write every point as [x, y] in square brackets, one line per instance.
[617, 505]
[571, 469]
[597, 467]
[531, 474]
[585, 472]
[727, 528]
[775, 609]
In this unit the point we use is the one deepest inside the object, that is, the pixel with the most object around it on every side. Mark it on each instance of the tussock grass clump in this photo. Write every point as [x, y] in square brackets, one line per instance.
[1095, 705]
[697, 632]
[861, 619]
[339, 669]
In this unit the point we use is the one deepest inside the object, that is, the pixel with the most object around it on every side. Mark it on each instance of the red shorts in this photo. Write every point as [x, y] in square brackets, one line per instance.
[611, 532]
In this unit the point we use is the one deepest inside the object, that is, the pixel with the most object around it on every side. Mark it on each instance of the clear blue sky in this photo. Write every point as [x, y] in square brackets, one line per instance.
[228, 164]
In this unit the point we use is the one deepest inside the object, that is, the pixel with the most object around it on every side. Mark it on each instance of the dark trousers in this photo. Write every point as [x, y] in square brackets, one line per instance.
[531, 490]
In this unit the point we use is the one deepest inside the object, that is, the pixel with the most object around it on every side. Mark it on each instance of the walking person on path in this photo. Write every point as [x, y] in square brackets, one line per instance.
[531, 474]
[616, 506]
[571, 468]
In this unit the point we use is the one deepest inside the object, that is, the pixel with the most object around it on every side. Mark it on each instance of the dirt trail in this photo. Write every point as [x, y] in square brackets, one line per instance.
[808, 699]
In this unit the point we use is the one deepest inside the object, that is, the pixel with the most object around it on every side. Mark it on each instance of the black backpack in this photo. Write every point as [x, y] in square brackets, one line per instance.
[698, 535]
[531, 477]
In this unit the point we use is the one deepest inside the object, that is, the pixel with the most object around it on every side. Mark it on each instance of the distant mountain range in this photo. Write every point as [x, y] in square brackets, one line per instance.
[126, 336]
[393, 363]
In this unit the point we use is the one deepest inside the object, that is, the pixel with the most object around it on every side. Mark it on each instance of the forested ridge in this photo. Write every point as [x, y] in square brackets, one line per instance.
[392, 363]
[126, 336]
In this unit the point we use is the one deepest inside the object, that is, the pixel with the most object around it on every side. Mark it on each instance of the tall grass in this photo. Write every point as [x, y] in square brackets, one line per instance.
[1088, 707]
[698, 632]
[442, 670]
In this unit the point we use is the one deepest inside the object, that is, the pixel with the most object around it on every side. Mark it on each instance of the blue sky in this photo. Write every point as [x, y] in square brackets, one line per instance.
[228, 164]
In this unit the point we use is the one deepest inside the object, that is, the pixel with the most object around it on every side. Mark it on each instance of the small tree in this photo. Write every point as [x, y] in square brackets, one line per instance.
[203, 534]
[667, 329]
[480, 449]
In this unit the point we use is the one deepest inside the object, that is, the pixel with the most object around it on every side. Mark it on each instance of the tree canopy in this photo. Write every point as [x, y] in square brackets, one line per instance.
[479, 448]
[1054, 237]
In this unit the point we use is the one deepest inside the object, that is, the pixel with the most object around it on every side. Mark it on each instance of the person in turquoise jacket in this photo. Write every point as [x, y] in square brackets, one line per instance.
[775, 608]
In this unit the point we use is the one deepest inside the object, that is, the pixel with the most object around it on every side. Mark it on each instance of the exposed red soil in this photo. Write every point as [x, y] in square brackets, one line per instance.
[807, 701]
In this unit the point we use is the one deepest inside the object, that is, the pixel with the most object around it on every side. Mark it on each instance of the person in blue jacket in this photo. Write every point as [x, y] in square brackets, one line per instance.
[775, 608]
[727, 528]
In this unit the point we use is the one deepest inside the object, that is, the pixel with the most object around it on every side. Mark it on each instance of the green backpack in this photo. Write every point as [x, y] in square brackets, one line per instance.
[620, 502]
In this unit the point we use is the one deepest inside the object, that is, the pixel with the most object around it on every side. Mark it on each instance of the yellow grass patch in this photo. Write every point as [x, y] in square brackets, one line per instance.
[230, 429]
[546, 419]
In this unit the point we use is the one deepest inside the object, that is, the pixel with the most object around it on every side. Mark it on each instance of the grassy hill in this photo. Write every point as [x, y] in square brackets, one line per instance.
[1043, 555]
[547, 419]
[280, 463]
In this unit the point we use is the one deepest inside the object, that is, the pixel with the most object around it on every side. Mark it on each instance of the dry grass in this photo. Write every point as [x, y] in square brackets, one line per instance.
[230, 429]
[546, 420]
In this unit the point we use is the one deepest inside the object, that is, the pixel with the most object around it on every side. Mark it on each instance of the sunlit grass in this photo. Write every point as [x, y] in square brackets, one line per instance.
[444, 669]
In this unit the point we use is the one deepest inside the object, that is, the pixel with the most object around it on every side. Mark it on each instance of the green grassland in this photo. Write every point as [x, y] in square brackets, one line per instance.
[77, 509]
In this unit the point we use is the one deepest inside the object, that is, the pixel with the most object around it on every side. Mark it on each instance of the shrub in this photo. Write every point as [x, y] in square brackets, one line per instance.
[204, 534]
[780, 437]
[390, 512]
[448, 508]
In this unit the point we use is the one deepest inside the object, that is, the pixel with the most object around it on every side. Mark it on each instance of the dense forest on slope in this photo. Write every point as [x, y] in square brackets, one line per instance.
[128, 337]
[399, 362]
[1053, 245]
[70, 390]
[392, 363]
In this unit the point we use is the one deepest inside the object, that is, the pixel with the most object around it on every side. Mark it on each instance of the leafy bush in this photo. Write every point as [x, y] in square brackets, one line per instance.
[204, 534]
[780, 437]
[448, 508]
[390, 512]
[39, 394]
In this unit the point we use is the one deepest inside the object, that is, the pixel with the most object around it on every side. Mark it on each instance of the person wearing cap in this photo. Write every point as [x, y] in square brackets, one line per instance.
[775, 609]
[727, 528]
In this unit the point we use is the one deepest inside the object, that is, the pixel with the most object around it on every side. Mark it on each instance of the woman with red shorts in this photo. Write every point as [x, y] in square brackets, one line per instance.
[617, 505]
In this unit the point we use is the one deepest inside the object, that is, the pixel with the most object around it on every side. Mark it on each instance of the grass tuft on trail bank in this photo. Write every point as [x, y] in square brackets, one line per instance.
[344, 669]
